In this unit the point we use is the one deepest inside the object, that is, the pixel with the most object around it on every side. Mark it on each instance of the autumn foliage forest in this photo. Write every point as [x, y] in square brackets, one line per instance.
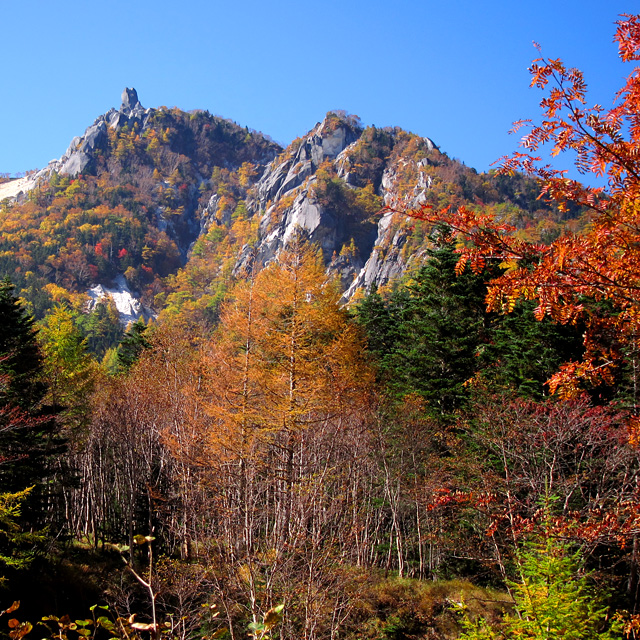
[455, 454]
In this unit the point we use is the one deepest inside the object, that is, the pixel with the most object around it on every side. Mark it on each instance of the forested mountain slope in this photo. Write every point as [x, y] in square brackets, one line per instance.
[264, 455]
[176, 203]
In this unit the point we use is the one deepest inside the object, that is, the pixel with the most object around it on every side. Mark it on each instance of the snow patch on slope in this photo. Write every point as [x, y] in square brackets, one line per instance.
[14, 188]
[129, 307]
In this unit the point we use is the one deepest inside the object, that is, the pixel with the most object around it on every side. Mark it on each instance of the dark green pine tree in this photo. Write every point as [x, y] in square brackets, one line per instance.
[433, 334]
[132, 345]
[524, 353]
[101, 328]
[28, 439]
[20, 356]
[443, 326]
[381, 321]
[427, 337]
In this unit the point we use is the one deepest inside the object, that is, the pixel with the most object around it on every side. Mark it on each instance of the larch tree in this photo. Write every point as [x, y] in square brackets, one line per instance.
[287, 358]
[286, 386]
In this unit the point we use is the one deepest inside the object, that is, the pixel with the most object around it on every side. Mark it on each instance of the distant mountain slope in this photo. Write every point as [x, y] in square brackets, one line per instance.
[177, 203]
[124, 199]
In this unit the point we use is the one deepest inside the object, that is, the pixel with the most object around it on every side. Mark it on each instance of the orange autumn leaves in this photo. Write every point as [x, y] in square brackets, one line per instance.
[284, 357]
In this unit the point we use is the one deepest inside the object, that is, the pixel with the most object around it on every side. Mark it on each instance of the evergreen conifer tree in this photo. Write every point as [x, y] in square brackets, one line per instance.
[429, 336]
[28, 438]
[524, 353]
[132, 345]
[381, 322]
[20, 356]
[433, 334]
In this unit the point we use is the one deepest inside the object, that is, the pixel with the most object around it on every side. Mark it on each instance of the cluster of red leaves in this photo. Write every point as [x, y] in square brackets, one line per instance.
[579, 275]
[446, 497]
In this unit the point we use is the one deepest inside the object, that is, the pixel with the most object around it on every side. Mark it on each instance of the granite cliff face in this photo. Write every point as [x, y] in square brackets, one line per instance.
[331, 185]
[286, 199]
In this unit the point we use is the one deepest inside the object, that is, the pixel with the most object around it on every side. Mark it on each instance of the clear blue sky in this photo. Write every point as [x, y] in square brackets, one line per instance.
[454, 70]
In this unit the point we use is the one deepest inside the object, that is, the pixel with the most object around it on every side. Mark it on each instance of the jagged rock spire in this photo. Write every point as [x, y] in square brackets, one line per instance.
[129, 99]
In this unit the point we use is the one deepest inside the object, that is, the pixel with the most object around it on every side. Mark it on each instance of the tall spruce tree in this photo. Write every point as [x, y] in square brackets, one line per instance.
[524, 353]
[428, 336]
[20, 356]
[132, 345]
[442, 329]
[28, 439]
[381, 321]
[433, 334]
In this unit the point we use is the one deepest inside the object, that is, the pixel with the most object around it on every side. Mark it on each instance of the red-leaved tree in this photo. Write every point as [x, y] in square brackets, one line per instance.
[591, 276]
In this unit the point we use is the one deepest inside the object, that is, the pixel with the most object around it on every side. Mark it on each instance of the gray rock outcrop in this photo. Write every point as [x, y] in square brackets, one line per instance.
[129, 100]
[325, 142]
[80, 156]
[361, 252]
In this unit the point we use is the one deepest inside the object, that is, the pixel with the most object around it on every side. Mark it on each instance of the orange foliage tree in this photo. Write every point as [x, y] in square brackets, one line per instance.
[591, 276]
[285, 392]
[284, 360]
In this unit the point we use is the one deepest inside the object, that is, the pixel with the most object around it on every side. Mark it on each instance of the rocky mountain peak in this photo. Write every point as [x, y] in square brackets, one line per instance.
[80, 155]
[334, 134]
[292, 179]
[130, 111]
[129, 100]
[328, 185]
[303, 156]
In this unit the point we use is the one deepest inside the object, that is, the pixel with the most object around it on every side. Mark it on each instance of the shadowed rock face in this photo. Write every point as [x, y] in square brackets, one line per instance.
[293, 178]
[290, 176]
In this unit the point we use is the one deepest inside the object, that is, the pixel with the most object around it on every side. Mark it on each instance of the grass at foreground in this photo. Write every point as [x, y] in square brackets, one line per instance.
[406, 609]
[385, 608]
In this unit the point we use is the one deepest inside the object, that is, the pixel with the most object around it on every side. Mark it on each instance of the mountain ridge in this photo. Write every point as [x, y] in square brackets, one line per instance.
[177, 203]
